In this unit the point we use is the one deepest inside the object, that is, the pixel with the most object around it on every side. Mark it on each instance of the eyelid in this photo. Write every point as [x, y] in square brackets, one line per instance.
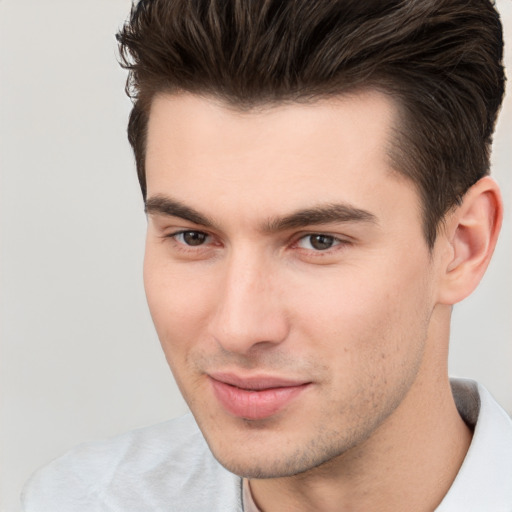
[336, 241]
[179, 232]
[339, 238]
[211, 240]
[321, 256]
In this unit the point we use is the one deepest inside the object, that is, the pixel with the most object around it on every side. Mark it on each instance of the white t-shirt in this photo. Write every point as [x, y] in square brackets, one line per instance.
[169, 467]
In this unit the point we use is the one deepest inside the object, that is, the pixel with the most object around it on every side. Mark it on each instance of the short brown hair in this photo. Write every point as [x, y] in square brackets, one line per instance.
[440, 59]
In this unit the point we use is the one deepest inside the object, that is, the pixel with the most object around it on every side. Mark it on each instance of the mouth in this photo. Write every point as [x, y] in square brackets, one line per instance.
[255, 397]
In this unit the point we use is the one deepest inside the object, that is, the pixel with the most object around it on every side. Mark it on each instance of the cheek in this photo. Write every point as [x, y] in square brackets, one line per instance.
[370, 335]
[180, 306]
[361, 318]
[179, 301]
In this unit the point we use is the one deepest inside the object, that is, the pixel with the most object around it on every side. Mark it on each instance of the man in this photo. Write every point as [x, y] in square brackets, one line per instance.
[315, 176]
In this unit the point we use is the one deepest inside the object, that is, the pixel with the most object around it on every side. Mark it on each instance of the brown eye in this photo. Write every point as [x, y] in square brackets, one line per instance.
[318, 242]
[192, 238]
[321, 242]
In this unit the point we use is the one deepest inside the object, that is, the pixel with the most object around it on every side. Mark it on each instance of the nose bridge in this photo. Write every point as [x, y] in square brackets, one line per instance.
[250, 310]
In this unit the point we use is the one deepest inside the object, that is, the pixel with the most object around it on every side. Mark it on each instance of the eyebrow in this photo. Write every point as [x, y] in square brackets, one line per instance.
[322, 214]
[162, 205]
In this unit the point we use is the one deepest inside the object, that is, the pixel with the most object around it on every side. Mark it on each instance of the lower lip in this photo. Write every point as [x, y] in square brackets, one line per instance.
[255, 405]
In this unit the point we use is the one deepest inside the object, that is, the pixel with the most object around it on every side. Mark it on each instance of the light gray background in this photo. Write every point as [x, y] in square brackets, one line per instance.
[79, 359]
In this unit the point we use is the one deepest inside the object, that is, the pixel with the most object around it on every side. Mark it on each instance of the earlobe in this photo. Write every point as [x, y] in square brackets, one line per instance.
[471, 233]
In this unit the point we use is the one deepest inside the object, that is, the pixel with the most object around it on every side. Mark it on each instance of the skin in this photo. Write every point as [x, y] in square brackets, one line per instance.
[363, 320]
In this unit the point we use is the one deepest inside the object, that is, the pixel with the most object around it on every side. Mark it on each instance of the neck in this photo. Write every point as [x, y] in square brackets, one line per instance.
[408, 464]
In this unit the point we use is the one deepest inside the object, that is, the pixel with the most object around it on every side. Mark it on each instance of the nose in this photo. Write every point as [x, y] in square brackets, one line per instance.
[250, 314]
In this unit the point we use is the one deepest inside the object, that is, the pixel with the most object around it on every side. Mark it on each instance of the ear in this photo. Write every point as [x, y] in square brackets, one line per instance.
[469, 235]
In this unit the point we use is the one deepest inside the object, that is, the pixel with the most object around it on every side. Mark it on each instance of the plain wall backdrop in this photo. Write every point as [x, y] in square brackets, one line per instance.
[79, 359]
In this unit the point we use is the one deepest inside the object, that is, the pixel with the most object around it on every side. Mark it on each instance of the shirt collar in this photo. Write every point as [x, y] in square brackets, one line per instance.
[484, 481]
[248, 502]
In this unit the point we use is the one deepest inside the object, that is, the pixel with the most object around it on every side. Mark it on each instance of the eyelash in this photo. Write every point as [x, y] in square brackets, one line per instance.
[336, 241]
[189, 231]
[310, 236]
[190, 250]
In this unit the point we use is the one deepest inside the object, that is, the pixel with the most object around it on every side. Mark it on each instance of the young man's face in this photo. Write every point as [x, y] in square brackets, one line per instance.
[287, 275]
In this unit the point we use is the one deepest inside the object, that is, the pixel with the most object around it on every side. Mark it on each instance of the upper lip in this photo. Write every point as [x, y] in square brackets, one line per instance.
[256, 382]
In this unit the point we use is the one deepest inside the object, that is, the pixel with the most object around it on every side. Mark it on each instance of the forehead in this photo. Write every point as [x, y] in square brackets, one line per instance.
[346, 119]
[288, 155]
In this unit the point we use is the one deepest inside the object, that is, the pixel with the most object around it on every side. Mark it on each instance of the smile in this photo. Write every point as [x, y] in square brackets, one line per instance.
[255, 398]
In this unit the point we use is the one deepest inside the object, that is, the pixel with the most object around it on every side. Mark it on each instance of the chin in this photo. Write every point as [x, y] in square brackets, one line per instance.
[261, 469]
[251, 461]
